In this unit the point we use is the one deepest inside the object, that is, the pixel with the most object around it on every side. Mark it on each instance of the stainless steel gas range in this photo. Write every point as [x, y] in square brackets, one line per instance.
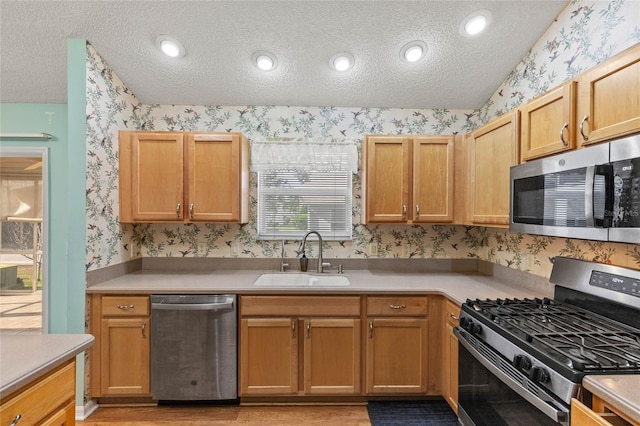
[522, 360]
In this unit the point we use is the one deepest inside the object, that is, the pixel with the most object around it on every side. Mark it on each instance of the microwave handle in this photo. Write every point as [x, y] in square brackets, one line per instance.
[588, 195]
[606, 170]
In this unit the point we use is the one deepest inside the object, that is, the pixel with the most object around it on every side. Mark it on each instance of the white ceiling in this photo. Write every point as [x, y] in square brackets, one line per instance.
[221, 36]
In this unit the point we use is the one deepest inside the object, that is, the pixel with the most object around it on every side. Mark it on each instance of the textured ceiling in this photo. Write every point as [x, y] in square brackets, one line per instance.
[221, 36]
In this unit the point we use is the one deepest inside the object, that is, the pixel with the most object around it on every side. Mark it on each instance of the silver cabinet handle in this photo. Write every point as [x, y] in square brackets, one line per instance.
[125, 307]
[144, 326]
[308, 329]
[178, 210]
[397, 307]
[293, 328]
[404, 211]
[370, 329]
[417, 211]
[16, 419]
[455, 318]
[585, 119]
[564, 126]
[191, 211]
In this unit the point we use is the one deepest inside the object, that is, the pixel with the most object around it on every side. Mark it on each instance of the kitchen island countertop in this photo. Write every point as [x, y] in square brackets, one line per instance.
[26, 357]
[457, 286]
[621, 391]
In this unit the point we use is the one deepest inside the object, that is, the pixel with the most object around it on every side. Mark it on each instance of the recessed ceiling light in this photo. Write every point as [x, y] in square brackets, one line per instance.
[475, 23]
[413, 51]
[170, 46]
[341, 61]
[264, 60]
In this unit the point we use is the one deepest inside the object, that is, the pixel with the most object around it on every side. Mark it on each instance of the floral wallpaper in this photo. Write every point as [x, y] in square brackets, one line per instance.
[583, 35]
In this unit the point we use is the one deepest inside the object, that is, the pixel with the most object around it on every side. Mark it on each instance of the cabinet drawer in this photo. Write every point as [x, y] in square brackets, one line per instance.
[125, 306]
[300, 306]
[397, 306]
[43, 397]
[452, 312]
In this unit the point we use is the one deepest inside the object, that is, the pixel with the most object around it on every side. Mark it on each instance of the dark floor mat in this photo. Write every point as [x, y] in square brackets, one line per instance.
[411, 413]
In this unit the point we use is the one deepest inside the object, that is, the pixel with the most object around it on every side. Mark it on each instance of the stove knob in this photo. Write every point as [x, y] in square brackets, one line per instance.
[540, 375]
[521, 361]
[475, 328]
[465, 322]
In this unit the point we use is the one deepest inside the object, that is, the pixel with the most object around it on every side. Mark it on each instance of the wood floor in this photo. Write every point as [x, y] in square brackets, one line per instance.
[347, 415]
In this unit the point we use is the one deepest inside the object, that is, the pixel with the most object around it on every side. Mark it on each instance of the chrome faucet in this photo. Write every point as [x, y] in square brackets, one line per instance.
[321, 265]
[283, 265]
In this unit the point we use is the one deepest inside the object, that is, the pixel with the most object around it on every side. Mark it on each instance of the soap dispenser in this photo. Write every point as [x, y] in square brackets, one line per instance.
[304, 262]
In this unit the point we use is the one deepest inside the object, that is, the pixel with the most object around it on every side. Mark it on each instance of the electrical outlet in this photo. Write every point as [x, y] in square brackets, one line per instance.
[133, 249]
[528, 261]
[406, 250]
[202, 248]
[234, 249]
[373, 249]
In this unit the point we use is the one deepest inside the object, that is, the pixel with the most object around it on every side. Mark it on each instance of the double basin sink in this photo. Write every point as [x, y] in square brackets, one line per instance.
[293, 279]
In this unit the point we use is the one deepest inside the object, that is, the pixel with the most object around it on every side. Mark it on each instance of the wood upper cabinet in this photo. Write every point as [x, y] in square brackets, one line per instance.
[294, 346]
[493, 149]
[408, 179]
[549, 123]
[396, 345]
[183, 177]
[120, 356]
[450, 354]
[609, 98]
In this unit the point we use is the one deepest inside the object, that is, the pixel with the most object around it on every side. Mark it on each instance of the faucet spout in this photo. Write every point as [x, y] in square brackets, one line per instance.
[304, 243]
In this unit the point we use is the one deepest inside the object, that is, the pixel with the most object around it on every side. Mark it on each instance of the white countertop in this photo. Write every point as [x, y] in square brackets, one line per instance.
[621, 391]
[456, 286]
[26, 357]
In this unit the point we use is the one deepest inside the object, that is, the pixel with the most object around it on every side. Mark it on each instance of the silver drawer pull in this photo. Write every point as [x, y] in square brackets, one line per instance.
[453, 316]
[16, 419]
[564, 126]
[125, 307]
[144, 327]
[397, 307]
[584, 120]
[178, 210]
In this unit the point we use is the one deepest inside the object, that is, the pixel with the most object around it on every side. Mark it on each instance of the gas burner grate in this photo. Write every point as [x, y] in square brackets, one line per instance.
[575, 337]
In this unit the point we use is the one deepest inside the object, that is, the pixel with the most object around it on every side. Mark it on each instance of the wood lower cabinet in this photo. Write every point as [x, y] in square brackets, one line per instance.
[396, 345]
[183, 177]
[120, 357]
[450, 354]
[294, 346]
[408, 179]
[493, 149]
[609, 98]
[49, 401]
[548, 123]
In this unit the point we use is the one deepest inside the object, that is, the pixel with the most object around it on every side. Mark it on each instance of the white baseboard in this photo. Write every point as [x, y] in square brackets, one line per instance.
[82, 412]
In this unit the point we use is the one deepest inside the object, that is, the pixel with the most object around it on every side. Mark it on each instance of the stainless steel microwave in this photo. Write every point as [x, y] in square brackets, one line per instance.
[591, 193]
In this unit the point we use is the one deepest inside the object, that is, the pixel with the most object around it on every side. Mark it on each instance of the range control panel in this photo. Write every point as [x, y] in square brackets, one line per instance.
[618, 283]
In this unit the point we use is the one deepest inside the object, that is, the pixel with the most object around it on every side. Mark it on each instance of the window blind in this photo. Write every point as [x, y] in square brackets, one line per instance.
[293, 202]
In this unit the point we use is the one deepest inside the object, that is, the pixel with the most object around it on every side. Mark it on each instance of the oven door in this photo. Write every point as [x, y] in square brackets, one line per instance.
[492, 392]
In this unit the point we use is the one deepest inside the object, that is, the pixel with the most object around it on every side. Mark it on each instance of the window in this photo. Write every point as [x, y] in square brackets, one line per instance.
[304, 186]
[293, 202]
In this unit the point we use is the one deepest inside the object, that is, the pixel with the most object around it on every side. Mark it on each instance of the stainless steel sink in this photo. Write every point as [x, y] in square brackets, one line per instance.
[301, 280]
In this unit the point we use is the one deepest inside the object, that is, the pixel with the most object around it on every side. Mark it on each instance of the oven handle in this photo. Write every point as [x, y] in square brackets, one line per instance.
[560, 416]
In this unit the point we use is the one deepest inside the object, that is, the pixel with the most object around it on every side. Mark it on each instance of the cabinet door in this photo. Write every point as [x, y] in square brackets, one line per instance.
[609, 98]
[493, 150]
[581, 415]
[396, 356]
[215, 177]
[65, 416]
[268, 356]
[386, 173]
[332, 356]
[125, 357]
[433, 170]
[548, 123]
[450, 356]
[156, 176]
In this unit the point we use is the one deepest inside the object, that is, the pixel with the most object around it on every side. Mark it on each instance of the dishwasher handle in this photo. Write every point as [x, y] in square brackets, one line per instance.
[194, 306]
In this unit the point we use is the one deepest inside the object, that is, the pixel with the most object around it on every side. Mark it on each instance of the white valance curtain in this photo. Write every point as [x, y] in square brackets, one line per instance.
[306, 155]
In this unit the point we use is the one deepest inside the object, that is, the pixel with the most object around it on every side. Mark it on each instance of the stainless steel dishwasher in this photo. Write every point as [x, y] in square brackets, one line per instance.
[194, 347]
